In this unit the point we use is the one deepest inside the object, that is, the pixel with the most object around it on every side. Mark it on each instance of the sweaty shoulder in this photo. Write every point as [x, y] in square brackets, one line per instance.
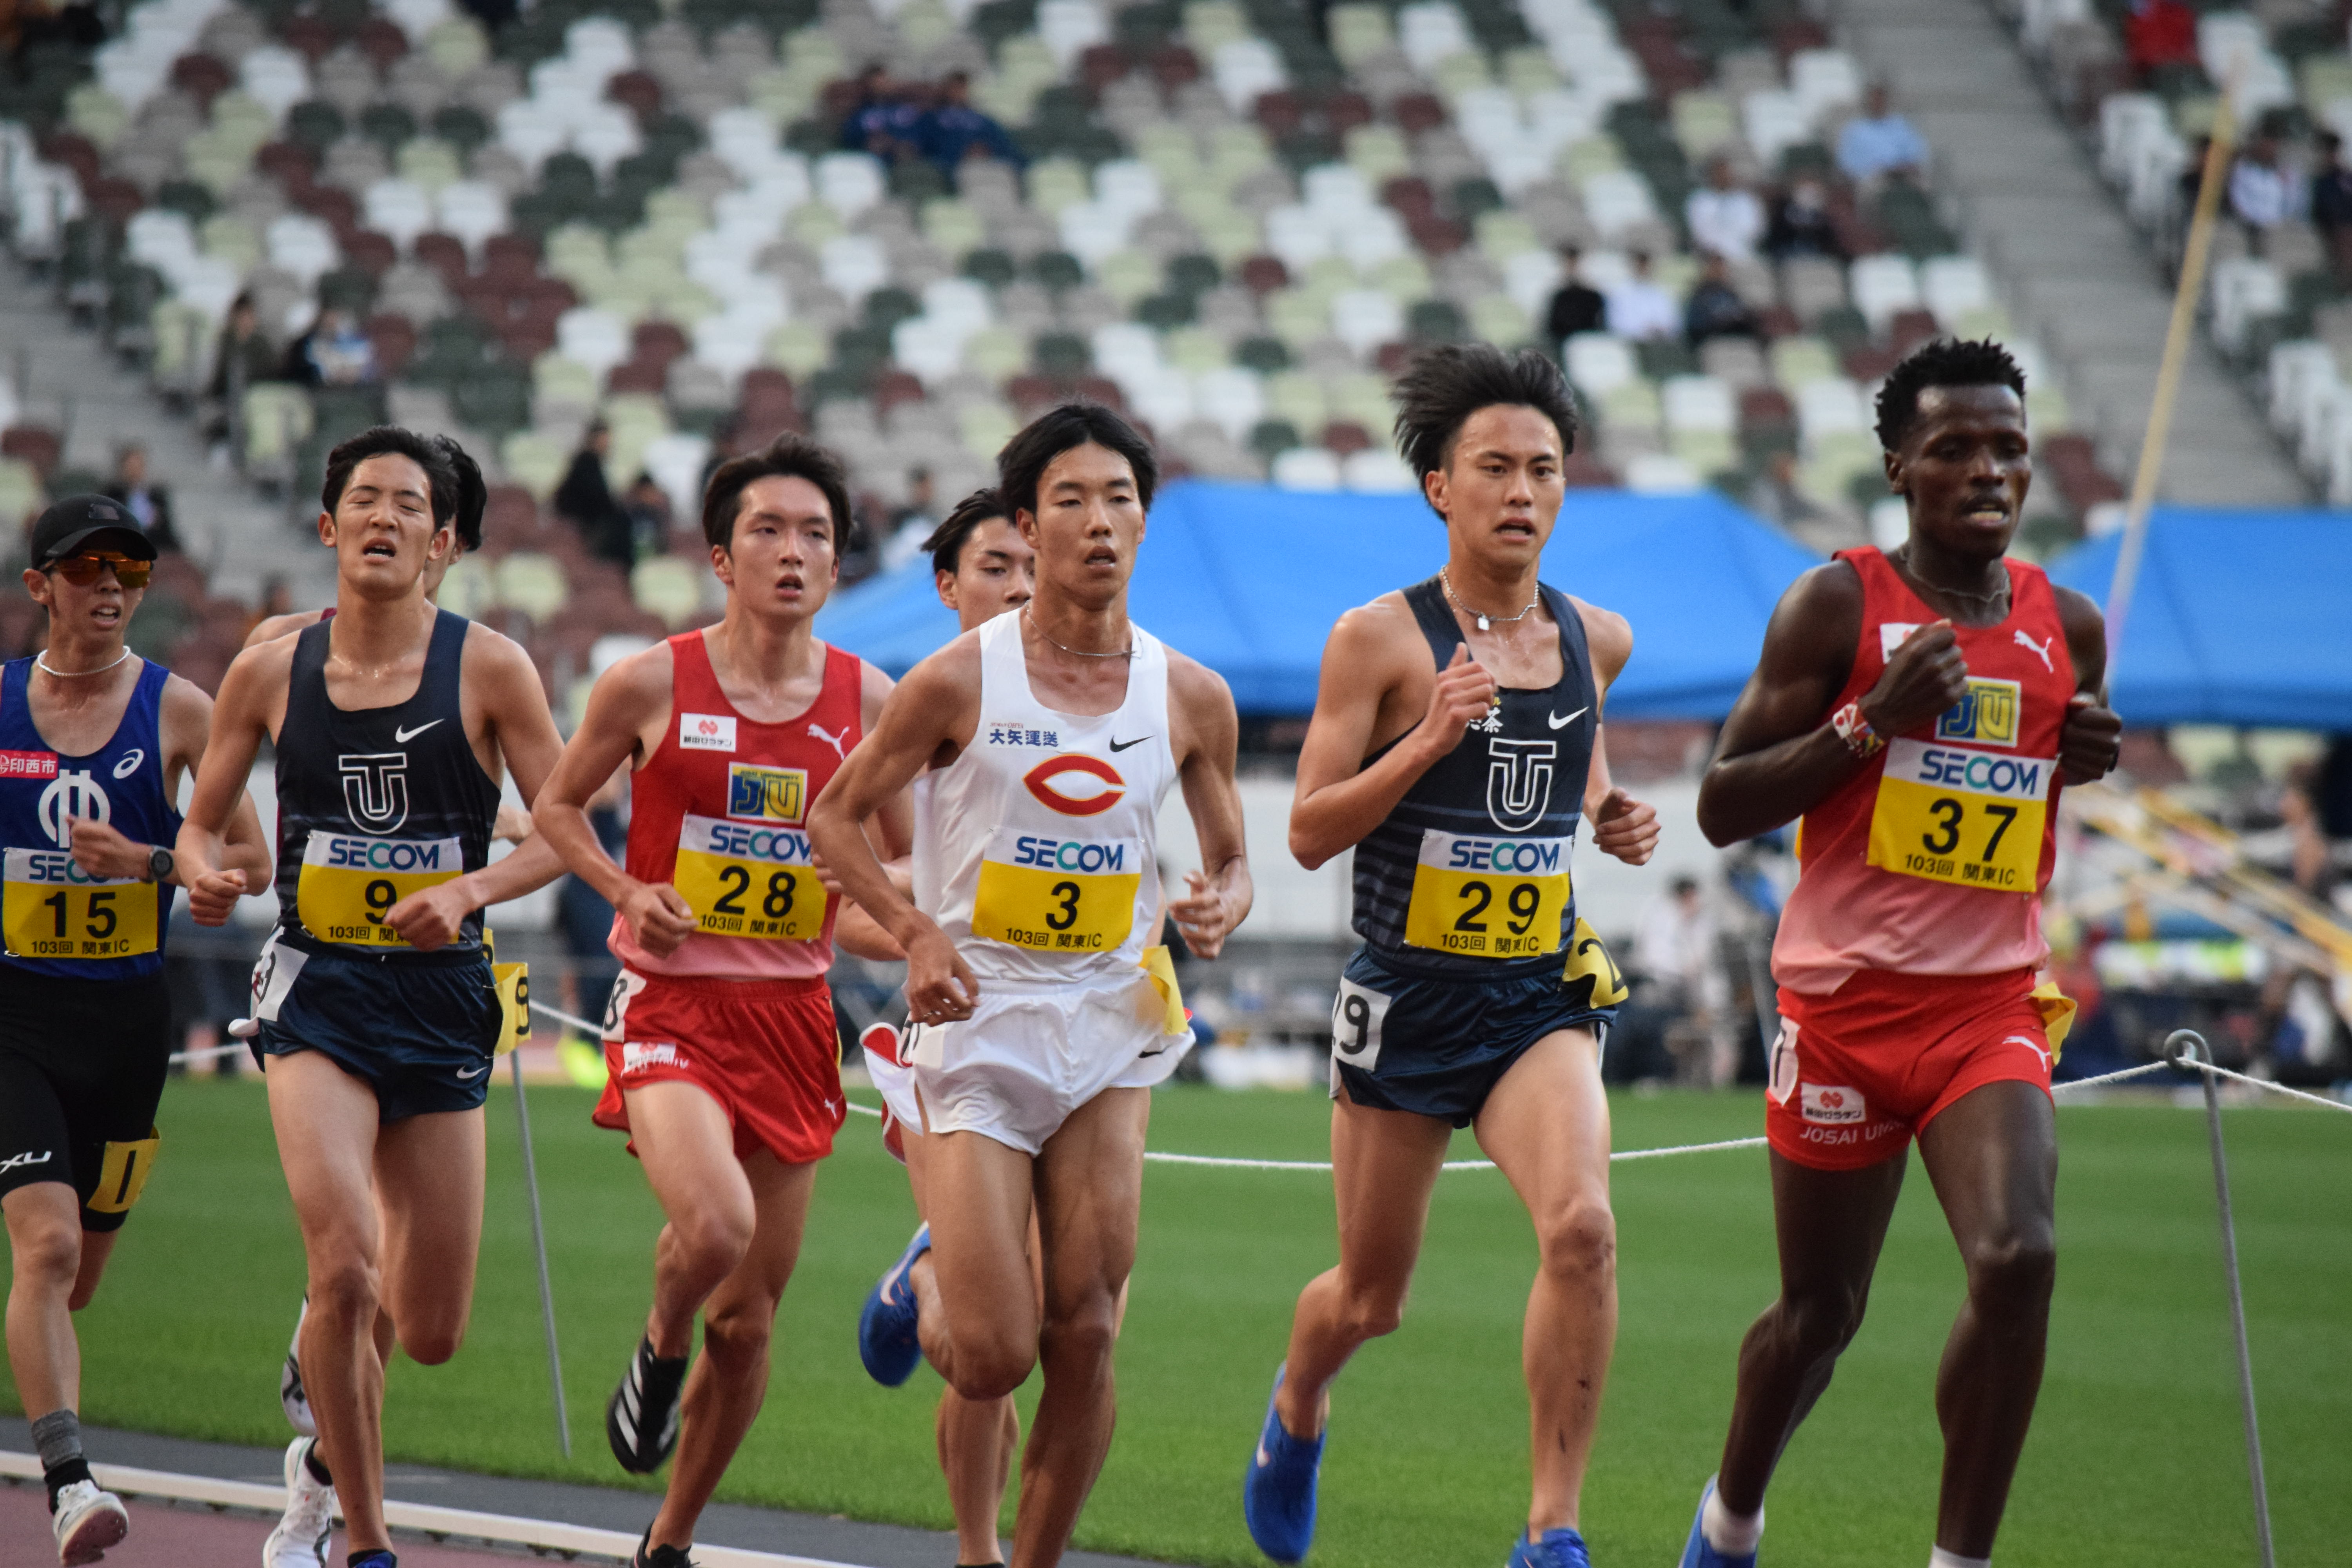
[1380, 636]
[643, 676]
[953, 674]
[1608, 635]
[2086, 636]
[874, 688]
[1195, 690]
[494, 653]
[277, 626]
[1821, 611]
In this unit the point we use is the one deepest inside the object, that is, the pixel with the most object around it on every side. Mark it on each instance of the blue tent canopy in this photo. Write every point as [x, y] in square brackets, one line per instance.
[2240, 617]
[1249, 579]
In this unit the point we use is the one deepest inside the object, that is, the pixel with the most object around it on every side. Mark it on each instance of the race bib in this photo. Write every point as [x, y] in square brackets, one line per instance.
[1489, 898]
[1059, 895]
[122, 1173]
[348, 883]
[1589, 965]
[748, 880]
[51, 909]
[1953, 814]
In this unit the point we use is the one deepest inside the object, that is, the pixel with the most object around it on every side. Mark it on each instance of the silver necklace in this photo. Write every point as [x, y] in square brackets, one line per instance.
[1485, 622]
[1998, 596]
[41, 660]
[1127, 652]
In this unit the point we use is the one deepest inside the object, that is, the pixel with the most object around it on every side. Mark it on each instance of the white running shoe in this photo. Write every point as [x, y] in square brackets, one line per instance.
[300, 1538]
[87, 1521]
[290, 1395]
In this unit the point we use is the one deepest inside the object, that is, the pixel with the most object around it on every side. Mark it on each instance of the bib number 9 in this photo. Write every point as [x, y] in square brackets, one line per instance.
[49, 909]
[348, 884]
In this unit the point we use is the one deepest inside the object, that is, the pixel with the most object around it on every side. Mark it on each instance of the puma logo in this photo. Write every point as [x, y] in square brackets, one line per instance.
[817, 733]
[2029, 1045]
[2039, 650]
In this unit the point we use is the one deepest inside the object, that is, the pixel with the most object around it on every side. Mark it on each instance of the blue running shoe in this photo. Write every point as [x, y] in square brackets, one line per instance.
[1557, 1549]
[1698, 1553]
[1278, 1491]
[885, 1329]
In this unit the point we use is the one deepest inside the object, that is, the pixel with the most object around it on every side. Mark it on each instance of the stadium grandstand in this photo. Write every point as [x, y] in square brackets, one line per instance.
[692, 225]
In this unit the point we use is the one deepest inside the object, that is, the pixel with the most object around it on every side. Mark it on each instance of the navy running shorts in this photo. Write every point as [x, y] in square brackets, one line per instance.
[1438, 1047]
[420, 1030]
[82, 1064]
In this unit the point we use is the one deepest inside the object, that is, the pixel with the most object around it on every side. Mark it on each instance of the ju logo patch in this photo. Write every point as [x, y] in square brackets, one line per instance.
[766, 794]
[1987, 714]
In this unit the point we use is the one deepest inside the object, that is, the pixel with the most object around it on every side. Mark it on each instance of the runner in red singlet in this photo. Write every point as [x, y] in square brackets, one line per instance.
[1918, 709]
[719, 1039]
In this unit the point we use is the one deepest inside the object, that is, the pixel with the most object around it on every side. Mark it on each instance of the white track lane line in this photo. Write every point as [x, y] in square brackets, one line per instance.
[457, 1523]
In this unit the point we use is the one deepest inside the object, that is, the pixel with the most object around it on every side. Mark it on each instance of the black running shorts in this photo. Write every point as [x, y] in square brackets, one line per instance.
[419, 1032]
[82, 1064]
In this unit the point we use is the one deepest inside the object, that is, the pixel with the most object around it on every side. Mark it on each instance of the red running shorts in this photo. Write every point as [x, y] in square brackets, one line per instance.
[766, 1050]
[1859, 1073]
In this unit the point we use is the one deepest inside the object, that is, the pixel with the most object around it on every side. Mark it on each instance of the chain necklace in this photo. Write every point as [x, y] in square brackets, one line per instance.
[41, 660]
[1998, 597]
[1127, 652]
[1485, 622]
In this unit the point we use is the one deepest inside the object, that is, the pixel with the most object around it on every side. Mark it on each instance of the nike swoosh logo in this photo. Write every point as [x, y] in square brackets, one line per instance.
[485, 1067]
[1122, 745]
[1557, 722]
[402, 737]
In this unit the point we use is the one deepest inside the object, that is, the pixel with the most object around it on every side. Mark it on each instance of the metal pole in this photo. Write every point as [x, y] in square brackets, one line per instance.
[539, 1244]
[2186, 1048]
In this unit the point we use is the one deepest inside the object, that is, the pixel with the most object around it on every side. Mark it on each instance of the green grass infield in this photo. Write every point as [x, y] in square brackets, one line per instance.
[2135, 1455]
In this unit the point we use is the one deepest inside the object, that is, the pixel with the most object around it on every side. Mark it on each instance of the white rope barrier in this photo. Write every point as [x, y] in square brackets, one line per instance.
[182, 1059]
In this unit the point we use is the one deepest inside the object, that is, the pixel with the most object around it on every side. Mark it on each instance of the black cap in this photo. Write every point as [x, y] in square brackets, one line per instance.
[75, 521]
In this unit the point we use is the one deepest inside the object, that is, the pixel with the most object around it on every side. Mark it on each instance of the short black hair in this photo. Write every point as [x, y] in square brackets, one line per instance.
[955, 530]
[430, 453]
[1446, 384]
[792, 454]
[1023, 463]
[1944, 362]
[473, 496]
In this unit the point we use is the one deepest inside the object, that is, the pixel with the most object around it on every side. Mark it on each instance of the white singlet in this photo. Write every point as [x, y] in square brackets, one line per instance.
[1035, 850]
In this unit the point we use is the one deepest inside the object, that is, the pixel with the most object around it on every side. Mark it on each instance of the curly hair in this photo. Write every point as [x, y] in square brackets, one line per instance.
[1444, 386]
[1942, 363]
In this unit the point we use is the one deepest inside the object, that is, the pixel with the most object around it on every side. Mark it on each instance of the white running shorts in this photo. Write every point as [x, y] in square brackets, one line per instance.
[1029, 1057]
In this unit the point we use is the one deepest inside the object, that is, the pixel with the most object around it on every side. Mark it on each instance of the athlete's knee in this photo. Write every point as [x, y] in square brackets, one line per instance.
[346, 1284]
[1080, 1337]
[989, 1363]
[1371, 1309]
[1819, 1323]
[432, 1344]
[47, 1253]
[2013, 1273]
[1578, 1241]
[739, 1331]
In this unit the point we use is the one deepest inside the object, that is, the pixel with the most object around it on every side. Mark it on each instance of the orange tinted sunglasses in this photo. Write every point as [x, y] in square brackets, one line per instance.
[83, 570]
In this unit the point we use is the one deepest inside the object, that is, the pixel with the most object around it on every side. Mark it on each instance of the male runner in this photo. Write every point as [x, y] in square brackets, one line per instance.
[1918, 709]
[93, 742]
[719, 1038]
[375, 1008]
[1040, 746]
[982, 568]
[1454, 746]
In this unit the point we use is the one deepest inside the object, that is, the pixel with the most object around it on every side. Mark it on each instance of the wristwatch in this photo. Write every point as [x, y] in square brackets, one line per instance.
[159, 864]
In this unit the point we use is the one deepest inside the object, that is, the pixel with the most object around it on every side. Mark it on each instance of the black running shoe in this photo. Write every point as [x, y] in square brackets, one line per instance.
[651, 1556]
[641, 1421]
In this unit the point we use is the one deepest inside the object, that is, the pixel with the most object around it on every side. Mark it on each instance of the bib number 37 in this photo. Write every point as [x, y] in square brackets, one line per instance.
[1956, 815]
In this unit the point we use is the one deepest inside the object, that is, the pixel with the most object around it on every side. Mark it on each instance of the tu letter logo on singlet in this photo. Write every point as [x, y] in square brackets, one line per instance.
[375, 789]
[72, 794]
[1518, 781]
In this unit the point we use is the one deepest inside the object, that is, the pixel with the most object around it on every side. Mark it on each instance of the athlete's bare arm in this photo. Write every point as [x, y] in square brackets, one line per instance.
[855, 931]
[507, 719]
[277, 626]
[1207, 738]
[250, 708]
[1776, 757]
[1623, 827]
[2094, 735]
[926, 723]
[186, 720]
[1368, 696]
[626, 711]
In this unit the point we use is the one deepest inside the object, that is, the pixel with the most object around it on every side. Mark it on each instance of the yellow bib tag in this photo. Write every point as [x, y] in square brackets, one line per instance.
[122, 1173]
[1489, 898]
[1059, 895]
[747, 880]
[348, 883]
[1158, 965]
[1952, 814]
[514, 1004]
[2057, 1012]
[51, 909]
[1589, 962]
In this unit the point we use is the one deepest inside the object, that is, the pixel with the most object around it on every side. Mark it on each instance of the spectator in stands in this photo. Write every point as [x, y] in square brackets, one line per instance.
[1577, 306]
[2262, 192]
[2159, 34]
[885, 120]
[1802, 224]
[245, 356]
[149, 504]
[1641, 311]
[1715, 309]
[912, 523]
[954, 130]
[333, 352]
[2331, 202]
[1723, 215]
[1879, 142]
[585, 497]
[647, 505]
[1674, 950]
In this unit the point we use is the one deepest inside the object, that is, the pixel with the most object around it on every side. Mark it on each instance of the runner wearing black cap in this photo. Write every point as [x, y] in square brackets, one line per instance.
[93, 742]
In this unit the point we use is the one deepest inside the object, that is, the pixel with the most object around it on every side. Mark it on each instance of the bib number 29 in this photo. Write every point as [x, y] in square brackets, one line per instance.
[1524, 901]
